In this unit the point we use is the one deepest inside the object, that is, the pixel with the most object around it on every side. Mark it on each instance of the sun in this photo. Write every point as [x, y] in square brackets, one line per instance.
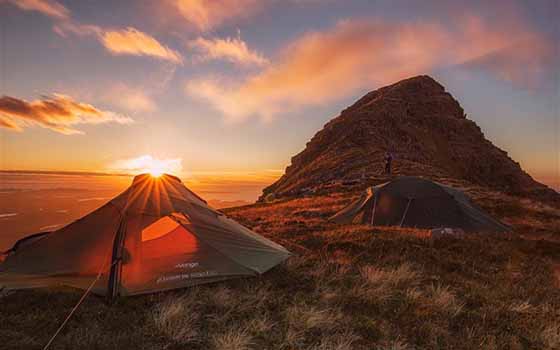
[155, 172]
[146, 164]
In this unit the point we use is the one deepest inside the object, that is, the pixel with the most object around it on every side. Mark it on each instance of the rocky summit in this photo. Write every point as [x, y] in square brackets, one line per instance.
[426, 130]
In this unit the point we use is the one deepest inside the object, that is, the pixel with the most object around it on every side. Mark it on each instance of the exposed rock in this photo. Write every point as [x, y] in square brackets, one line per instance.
[427, 131]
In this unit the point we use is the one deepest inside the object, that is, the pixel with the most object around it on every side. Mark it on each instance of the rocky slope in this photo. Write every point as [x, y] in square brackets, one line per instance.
[423, 126]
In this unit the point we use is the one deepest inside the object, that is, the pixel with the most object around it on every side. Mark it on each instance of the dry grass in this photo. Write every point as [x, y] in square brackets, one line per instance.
[413, 295]
[339, 341]
[379, 286]
[521, 307]
[232, 339]
[395, 345]
[348, 287]
[177, 319]
[551, 336]
[261, 324]
[444, 299]
[307, 317]
[397, 277]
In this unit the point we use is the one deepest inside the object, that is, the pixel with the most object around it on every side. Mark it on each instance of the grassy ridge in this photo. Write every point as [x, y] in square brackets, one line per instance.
[348, 287]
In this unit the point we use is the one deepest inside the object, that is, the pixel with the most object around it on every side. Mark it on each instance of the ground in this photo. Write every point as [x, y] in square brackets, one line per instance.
[347, 287]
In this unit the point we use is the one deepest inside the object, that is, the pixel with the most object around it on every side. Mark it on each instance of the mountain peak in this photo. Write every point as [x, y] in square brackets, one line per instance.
[420, 94]
[425, 128]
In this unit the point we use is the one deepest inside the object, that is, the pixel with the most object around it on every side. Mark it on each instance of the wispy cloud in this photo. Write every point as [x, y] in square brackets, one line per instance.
[141, 96]
[358, 54]
[131, 41]
[9, 124]
[528, 63]
[128, 41]
[130, 98]
[206, 15]
[234, 50]
[56, 112]
[50, 8]
[66, 27]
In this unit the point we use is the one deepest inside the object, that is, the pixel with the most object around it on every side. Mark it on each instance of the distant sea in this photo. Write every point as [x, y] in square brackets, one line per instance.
[32, 202]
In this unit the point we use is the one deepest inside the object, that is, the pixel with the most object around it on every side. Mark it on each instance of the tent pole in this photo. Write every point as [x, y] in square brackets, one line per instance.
[405, 211]
[116, 258]
[373, 209]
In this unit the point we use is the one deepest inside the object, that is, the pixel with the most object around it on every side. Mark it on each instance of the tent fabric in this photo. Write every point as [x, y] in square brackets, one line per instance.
[416, 202]
[156, 235]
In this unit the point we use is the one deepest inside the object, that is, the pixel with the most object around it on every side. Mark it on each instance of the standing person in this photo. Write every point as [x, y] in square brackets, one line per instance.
[388, 160]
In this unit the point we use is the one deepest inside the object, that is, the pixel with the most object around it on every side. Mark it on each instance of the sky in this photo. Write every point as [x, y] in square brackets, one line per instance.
[235, 88]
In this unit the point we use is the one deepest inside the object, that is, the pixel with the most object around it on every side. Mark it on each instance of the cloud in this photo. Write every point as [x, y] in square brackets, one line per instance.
[130, 98]
[9, 124]
[128, 41]
[356, 54]
[57, 112]
[206, 15]
[49, 8]
[147, 164]
[131, 41]
[63, 28]
[233, 50]
[142, 96]
[527, 63]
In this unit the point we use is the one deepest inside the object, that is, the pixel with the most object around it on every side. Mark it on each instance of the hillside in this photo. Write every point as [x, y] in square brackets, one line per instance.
[348, 287]
[423, 126]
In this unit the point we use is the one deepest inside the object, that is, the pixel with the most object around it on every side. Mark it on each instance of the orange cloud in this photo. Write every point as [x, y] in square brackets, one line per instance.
[358, 54]
[50, 8]
[131, 41]
[9, 124]
[206, 15]
[57, 112]
[233, 50]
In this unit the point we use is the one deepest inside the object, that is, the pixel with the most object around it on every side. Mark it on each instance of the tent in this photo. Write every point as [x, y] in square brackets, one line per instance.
[156, 235]
[416, 202]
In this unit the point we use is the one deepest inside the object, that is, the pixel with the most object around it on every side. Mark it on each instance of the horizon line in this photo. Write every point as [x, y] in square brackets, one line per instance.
[64, 172]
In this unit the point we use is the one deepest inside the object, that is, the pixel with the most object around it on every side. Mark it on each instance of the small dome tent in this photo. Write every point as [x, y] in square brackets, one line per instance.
[416, 202]
[156, 235]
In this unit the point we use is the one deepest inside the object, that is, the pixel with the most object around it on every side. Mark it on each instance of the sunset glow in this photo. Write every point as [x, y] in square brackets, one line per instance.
[147, 164]
[156, 172]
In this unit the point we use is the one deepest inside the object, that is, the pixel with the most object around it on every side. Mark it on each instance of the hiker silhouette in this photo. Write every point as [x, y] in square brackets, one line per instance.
[388, 160]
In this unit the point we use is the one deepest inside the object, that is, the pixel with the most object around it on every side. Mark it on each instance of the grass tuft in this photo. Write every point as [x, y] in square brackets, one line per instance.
[177, 319]
[308, 317]
[521, 308]
[340, 341]
[232, 339]
[397, 277]
[445, 300]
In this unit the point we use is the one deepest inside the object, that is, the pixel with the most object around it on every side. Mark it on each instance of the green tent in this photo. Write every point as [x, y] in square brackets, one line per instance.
[415, 202]
[157, 235]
